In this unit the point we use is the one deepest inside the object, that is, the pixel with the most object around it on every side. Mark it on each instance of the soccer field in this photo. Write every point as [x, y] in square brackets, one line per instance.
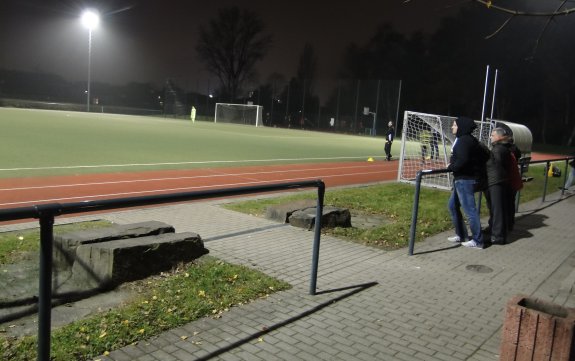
[41, 142]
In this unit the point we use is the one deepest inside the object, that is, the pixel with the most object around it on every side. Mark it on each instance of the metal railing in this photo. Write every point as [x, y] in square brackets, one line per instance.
[523, 163]
[46, 214]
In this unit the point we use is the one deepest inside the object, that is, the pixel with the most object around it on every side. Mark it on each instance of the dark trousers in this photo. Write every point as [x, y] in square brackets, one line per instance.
[511, 209]
[497, 197]
[434, 150]
[388, 149]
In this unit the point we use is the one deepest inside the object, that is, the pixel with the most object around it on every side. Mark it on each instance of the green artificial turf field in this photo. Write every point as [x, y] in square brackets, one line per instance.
[42, 142]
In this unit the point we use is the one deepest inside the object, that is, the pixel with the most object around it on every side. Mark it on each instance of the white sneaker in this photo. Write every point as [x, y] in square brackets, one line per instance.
[454, 239]
[472, 244]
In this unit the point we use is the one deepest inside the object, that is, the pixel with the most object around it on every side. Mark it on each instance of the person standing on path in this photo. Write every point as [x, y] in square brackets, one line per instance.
[498, 192]
[389, 140]
[466, 163]
[571, 176]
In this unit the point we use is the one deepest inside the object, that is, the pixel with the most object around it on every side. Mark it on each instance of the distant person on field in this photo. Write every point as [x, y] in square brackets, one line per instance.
[466, 165]
[498, 192]
[434, 144]
[425, 141]
[389, 135]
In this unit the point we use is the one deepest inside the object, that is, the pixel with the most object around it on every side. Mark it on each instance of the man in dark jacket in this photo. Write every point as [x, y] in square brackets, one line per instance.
[498, 193]
[466, 165]
[389, 140]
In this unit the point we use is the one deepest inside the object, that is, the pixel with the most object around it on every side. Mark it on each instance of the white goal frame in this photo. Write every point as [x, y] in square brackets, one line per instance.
[418, 140]
[258, 114]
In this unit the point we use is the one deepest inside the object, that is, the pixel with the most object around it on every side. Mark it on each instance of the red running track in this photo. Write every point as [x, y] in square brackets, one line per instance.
[24, 192]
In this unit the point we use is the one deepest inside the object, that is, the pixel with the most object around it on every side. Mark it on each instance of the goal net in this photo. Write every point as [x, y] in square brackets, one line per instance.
[239, 114]
[426, 144]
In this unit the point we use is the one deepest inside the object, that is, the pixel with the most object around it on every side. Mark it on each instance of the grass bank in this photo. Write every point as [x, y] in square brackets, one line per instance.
[394, 202]
[206, 287]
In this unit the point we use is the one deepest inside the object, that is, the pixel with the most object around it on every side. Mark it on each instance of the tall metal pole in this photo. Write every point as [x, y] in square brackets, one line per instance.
[302, 120]
[491, 122]
[397, 111]
[338, 97]
[481, 128]
[483, 108]
[356, 105]
[376, 107]
[89, 68]
[90, 19]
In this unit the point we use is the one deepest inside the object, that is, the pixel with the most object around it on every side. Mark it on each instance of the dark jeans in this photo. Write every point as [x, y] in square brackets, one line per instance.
[463, 196]
[434, 150]
[388, 149]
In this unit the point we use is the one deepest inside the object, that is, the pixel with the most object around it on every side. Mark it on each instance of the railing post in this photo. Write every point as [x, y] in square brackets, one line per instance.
[414, 213]
[316, 238]
[45, 287]
[565, 175]
[547, 168]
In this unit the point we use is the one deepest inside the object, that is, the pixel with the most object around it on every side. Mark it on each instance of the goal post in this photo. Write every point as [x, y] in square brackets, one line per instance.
[426, 144]
[246, 114]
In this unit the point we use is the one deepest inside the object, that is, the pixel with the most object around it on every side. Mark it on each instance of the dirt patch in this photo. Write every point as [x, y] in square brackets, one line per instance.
[368, 221]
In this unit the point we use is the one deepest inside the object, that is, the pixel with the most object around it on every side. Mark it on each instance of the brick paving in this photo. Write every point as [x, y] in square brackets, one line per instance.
[444, 303]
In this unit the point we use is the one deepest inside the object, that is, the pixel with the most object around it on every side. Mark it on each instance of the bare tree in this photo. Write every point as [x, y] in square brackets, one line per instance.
[231, 45]
[549, 15]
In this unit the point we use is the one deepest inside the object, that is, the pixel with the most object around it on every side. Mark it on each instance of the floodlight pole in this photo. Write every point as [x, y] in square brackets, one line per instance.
[89, 68]
[90, 19]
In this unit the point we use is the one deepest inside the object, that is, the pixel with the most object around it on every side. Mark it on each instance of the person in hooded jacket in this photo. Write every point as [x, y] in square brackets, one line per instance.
[466, 164]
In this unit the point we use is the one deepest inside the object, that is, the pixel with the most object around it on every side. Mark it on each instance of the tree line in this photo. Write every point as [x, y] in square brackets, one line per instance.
[440, 73]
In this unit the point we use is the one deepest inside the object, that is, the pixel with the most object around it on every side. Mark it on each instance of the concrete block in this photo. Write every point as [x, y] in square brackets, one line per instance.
[282, 212]
[65, 244]
[331, 217]
[110, 263]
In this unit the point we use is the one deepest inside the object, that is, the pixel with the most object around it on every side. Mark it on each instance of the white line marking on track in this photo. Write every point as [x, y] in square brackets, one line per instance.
[182, 178]
[183, 163]
[183, 188]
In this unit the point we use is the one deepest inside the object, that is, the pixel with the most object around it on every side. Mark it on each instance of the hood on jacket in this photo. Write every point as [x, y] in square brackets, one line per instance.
[465, 126]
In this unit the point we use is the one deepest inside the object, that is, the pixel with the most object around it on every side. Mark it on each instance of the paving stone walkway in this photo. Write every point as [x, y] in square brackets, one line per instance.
[445, 302]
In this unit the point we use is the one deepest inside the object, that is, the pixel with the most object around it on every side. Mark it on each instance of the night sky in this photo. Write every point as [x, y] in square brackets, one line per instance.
[149, 40]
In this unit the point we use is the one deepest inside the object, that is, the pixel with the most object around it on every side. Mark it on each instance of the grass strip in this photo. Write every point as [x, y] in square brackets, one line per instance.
[394, 201]
[17, 246]
[206, 287]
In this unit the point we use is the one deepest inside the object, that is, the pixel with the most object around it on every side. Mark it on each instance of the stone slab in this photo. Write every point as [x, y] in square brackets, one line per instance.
[331, 217]
[282, 212]
[66, 244]
[110, 263]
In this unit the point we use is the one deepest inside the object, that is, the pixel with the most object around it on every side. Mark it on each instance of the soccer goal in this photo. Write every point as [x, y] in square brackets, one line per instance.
[426, 144]
[239, 114]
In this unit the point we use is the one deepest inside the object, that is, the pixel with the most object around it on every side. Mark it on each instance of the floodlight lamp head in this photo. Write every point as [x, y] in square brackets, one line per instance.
[90, 19]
